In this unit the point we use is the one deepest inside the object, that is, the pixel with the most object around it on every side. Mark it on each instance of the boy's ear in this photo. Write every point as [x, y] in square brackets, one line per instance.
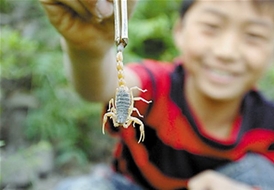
[178, 30]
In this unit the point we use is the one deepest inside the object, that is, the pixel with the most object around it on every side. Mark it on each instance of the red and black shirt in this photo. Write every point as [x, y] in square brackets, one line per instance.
[176, 147]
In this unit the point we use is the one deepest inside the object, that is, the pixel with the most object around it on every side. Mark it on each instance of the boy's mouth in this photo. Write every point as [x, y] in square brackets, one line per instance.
[220, 76]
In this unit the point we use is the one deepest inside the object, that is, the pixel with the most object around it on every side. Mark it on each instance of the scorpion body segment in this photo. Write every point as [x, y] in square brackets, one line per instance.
[123, 103]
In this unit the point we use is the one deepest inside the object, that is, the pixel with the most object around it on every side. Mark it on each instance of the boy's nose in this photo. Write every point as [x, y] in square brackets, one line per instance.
[226, 47]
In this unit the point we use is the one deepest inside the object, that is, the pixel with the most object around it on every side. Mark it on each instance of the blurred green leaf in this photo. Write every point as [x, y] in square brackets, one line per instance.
[150, 31]
[16, 54]
[267, 83]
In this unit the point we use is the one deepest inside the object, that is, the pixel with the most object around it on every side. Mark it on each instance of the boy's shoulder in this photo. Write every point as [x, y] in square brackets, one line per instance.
[258, 112]
[153, 74]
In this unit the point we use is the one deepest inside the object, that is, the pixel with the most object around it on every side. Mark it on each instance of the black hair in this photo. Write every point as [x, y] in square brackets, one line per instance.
[186, 4]
[260, 5]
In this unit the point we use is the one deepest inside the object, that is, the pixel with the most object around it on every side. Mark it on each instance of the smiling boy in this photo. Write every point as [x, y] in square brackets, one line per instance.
[207, 127]
[225, 47]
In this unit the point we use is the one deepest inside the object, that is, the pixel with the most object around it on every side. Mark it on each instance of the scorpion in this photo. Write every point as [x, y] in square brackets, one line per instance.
[121, 109]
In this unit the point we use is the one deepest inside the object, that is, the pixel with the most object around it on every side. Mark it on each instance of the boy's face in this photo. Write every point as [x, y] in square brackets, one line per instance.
[226, 46]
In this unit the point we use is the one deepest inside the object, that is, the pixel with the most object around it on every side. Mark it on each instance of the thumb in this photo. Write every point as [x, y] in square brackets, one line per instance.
[104, 8]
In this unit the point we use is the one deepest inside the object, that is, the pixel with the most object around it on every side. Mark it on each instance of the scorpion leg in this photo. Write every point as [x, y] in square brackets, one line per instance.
[109, 114]
[137, 88]
[139, 98]
[110, 104]
[135, 109]
[142, 130]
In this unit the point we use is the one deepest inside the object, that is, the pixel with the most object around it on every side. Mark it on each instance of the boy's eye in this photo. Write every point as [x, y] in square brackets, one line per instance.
[210, 27]
[253, 36]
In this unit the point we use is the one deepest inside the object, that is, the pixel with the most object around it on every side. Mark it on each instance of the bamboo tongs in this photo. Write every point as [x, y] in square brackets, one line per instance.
[120, 24]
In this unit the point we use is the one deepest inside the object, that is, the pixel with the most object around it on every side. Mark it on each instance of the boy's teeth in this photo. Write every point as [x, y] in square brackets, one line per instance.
[220, 72]
[220, 76]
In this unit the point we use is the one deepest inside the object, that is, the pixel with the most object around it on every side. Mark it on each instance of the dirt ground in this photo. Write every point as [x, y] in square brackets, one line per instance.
[50, 181]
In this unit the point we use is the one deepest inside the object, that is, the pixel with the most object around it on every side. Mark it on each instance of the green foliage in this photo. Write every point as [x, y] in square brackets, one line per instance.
[16, 54]
[61, 116]
[150, 31]
[267, 83]
[5, 6]
[2, 143]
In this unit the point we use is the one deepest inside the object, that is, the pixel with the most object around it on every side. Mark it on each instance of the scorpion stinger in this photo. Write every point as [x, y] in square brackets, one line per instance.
[121, 108]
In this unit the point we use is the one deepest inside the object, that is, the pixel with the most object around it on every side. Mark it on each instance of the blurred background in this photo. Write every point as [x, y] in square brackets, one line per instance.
[47, 131]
